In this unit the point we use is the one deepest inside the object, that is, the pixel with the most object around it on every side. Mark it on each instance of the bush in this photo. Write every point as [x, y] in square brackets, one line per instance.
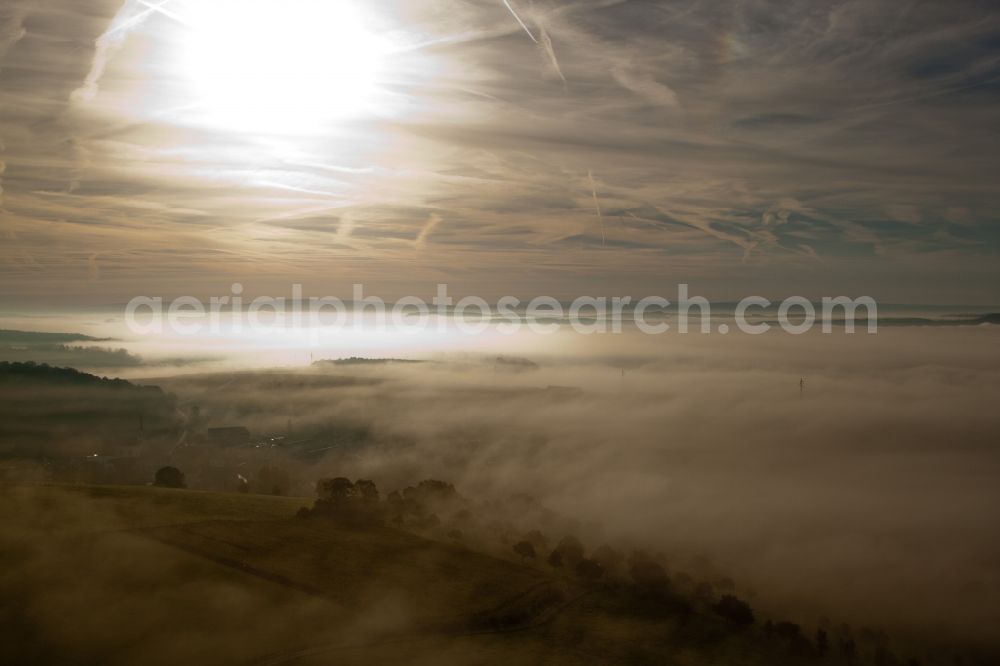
[169, 477]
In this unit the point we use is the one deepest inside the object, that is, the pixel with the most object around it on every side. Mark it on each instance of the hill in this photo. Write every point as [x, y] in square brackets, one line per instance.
[103, 558]
[121, 575]
[43, 374]
[359, 360]
[47, 411]
[67, 349]
[11, 337]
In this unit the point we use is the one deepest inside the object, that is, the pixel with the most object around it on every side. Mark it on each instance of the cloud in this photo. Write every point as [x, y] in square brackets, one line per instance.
[345, 228]
[93, 268]
[432, 222]
[11, 26]
[904, 213]
[741, 132]
[11, 32]
[644, 85]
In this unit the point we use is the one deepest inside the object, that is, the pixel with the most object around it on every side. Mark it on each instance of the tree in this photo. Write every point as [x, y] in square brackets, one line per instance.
[169, 477]
[434, 490]
[336, 490]
[788, 631]
[608, 557]
[684, 582]
[734, 610]
[555, 559]
[726, 585]
[589, 569]
[884, 656]
[849, 650]
[366, 490]
[822, 642]
[647, 574]
[273, 480]
[336, 498]
[525, 549]
[704, 593]
[571, 550]
[537, 539]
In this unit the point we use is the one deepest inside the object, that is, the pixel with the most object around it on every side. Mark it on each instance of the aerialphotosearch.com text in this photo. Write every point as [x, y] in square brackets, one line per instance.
[653, 315]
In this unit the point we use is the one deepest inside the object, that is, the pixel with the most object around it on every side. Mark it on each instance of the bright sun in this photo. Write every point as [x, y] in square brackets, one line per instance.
[278, 66]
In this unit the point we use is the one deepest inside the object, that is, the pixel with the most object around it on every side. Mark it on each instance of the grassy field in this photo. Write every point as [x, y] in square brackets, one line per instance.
[434, 584]
[150, 575]
[131, 507]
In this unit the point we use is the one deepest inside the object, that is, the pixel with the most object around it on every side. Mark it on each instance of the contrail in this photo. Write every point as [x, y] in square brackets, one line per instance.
[162, 9]
[597, 204]
[652, 223]
[425, 232]
[112, 39]
[551, 53]
[136, 18]
[514, 14]
[928, 95]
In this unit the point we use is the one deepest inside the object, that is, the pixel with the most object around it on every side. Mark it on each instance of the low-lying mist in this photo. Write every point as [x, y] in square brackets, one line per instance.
[866, 494]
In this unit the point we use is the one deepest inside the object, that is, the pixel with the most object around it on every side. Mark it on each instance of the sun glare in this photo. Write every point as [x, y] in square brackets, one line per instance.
[278, 66]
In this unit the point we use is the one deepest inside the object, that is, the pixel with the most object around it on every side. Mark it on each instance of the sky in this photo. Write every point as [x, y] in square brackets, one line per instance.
[802, 147]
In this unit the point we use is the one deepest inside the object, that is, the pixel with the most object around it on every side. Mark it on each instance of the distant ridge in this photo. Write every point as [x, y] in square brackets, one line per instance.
[42, 373]
[958, 320]
[357, 360]
[992, 318]
[37, 337]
